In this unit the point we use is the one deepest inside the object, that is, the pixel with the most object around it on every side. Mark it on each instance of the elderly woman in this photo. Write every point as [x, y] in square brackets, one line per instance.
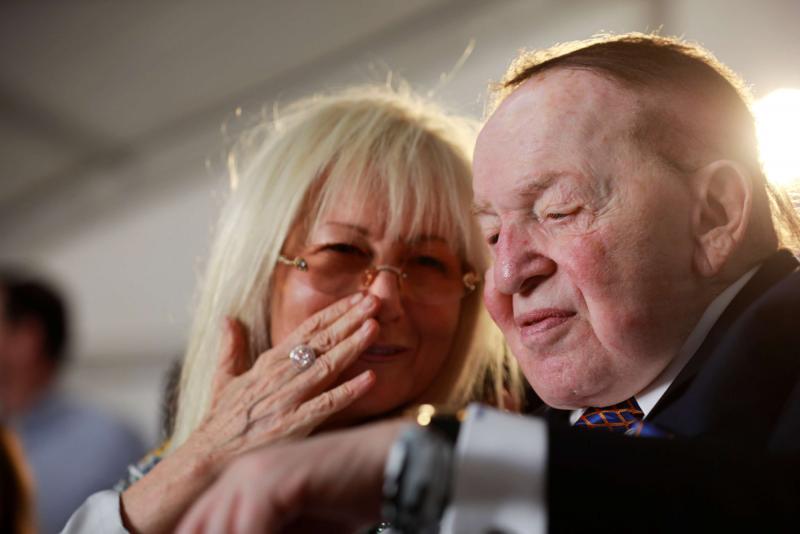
[343, 286]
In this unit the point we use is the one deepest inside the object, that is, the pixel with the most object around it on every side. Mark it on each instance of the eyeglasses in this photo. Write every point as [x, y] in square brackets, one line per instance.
[422, 279]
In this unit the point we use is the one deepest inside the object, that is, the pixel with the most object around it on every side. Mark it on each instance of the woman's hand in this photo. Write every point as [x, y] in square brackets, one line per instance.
[269, 402]
[274, 400]
[333, 480]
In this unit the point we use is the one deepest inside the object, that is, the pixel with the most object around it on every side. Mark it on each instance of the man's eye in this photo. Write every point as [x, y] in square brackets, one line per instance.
[492, 239]
[561, 215]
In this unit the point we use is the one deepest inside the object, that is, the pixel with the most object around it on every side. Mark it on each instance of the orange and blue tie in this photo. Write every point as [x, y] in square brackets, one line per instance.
[617, 418]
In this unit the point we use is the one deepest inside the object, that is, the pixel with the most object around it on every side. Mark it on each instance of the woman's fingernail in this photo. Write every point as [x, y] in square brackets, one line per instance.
[366, 327]
[365, 378]
[355, 298]
[369, 302]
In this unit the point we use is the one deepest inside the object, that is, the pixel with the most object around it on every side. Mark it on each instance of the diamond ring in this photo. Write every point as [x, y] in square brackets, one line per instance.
[302, 357]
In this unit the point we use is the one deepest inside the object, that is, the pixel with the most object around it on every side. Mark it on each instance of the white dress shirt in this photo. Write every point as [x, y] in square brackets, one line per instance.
[501, 458]
[99, 514]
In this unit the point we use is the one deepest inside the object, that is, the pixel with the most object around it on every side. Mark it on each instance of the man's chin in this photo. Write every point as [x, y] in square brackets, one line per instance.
[562, 398]
[559, 400]
[558, 389]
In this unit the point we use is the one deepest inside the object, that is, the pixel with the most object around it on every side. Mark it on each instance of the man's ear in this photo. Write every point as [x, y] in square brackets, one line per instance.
[721, 215]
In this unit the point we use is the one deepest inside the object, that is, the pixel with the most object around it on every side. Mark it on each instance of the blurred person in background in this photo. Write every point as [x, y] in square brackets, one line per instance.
[343, 286]
[73, 449]
[16, 510]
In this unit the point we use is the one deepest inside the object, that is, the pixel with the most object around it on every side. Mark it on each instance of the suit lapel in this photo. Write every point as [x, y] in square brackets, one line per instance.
[776, 267]
[553, 415]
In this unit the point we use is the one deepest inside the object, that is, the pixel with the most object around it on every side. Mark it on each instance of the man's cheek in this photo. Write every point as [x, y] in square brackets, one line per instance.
[498, 305]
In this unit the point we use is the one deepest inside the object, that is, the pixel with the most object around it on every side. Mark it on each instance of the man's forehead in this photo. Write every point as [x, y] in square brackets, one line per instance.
[525, 188]
[577, 102]
[564, 121]
[568, 98]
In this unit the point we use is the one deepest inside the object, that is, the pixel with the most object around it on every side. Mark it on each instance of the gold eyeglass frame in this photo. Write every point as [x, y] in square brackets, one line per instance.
[470, 279]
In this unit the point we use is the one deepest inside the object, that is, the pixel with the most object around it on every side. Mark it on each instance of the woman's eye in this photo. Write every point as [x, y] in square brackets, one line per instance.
[344, 248]
[430, 261]
[492, 239]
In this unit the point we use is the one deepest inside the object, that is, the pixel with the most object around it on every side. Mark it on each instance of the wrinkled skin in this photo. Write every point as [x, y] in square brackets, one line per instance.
[594, 290]
[423, 333]
[272, 401]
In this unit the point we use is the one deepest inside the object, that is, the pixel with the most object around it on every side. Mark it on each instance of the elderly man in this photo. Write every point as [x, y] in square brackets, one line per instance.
[639, 279]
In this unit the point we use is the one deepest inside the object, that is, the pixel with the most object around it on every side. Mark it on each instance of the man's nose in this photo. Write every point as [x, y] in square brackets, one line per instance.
[520, 263]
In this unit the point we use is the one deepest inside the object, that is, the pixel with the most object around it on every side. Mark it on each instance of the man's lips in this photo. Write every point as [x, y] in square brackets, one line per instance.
[383, 352]
[541, 320]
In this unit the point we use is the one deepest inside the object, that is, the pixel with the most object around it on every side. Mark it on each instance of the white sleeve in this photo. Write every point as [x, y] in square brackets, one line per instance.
[499, 474]
[99, 514]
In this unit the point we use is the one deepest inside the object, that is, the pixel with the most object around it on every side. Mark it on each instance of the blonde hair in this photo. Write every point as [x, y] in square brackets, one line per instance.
[288, 171]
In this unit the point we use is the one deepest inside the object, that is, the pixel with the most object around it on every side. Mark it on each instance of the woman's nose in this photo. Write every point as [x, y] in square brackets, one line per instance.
[386, 284]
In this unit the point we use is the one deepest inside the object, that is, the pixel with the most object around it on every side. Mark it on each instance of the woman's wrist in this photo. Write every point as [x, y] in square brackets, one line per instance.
[156, 502]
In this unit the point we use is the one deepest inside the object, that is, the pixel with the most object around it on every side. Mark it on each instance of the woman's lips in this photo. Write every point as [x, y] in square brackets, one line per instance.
[539, 321]
[383, 353]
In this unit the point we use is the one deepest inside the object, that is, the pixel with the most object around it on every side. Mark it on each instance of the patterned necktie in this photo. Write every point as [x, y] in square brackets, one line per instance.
[617, 418]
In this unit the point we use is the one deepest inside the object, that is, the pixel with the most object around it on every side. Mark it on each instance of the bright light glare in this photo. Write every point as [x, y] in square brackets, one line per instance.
[778, 129]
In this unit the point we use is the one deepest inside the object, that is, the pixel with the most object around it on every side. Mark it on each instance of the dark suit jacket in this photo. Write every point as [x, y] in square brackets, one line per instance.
[735, 411]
